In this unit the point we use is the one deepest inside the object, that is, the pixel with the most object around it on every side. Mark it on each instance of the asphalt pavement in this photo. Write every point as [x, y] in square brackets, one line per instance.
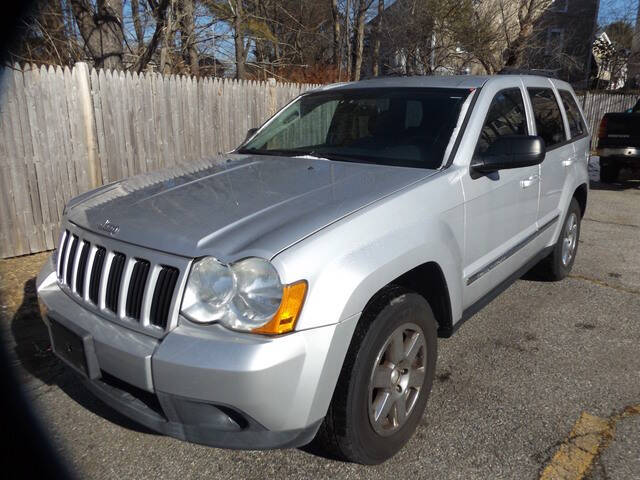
[511, 383]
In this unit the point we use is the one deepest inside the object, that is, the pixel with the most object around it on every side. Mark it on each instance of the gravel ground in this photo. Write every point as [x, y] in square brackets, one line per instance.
[510, 384]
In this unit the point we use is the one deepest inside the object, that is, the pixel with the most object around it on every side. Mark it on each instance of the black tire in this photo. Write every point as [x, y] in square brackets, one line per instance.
[553, 268]
[609, 173]
[347, 431]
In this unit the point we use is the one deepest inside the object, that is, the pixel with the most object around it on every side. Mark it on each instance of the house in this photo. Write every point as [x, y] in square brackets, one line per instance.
[563, 41]
[560, 43]
[612, 63]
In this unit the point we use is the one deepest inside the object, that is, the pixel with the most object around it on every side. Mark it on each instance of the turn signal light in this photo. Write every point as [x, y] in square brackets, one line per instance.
[285, 319]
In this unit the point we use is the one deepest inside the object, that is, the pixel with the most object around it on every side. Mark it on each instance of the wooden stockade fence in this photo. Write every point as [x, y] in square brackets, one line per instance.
[66, 131]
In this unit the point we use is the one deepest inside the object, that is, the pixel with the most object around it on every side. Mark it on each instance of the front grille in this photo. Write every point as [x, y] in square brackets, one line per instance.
[114, 282]
[136, 288]
[162, 297]
[140, 291]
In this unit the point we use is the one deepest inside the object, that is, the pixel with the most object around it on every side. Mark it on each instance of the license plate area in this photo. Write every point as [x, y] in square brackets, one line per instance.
[73, 349]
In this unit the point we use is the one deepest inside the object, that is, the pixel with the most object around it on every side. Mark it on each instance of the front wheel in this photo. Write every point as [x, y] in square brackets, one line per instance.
[385, 380]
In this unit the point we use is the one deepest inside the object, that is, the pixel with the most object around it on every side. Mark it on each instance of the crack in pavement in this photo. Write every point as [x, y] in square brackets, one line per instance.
[589, 437]
[605, 222]
[602, 283]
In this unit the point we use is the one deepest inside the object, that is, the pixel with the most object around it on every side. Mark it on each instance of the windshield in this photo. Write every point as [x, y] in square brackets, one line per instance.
[405, 127]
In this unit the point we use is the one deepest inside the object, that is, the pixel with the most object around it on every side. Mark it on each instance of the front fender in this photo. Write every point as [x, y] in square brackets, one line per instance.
[349, 261]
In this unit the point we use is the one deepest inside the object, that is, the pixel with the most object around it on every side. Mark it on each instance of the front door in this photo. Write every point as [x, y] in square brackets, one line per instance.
[501, 208]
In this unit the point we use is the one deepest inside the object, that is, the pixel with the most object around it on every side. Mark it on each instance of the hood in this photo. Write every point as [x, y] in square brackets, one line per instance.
[235, 206]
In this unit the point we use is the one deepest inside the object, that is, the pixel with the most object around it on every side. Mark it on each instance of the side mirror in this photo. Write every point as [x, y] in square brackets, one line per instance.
[250, 134]
[510, 151]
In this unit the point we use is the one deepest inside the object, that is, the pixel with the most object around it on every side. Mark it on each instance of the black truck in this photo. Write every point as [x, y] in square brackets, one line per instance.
[619, 143]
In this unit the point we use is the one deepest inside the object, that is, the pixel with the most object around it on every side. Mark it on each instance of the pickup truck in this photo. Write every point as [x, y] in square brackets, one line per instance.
[295, 289]
[619, 143]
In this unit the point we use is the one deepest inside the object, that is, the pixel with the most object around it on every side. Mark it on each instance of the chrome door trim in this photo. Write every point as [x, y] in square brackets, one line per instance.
[493, 264]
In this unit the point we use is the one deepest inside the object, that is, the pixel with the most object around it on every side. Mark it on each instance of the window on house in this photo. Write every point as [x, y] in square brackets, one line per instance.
[506, 116]
[559, 5]
[576, 125]
[555, 40]
[549, 123]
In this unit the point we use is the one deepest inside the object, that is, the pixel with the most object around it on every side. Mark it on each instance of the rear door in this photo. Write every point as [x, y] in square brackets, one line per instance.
[580, 138]
[550, 125]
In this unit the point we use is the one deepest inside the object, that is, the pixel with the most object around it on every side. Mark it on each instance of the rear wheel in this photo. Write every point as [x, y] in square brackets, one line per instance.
[385, 381]
[609, 173]
[559, 263]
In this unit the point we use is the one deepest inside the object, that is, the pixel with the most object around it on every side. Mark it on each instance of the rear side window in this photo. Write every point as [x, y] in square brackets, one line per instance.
[576, 126]
[546, 111]
[506, 116]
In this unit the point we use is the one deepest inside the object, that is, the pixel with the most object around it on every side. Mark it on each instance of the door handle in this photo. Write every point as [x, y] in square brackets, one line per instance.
[568, 162]
[527, 182]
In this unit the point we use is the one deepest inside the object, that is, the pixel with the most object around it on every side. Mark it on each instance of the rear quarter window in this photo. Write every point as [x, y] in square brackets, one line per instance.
[549, 123]
[576, 125]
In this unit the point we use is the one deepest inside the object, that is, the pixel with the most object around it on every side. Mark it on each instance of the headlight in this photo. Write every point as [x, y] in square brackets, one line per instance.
[246, 296]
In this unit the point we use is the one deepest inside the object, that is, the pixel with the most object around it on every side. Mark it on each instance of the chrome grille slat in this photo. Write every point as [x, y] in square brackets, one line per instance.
[75, 264]
[65, 260]
[124, 286]
[71, 258]
[61, 251]
[86, 263]
[106, 270]
[147, 298]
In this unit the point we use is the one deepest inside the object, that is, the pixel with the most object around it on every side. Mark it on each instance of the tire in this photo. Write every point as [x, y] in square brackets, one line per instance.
[609, 173]
[556, 266]
[349, 430]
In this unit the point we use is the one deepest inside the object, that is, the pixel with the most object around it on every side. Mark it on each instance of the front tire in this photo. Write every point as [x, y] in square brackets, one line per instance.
[385, 380]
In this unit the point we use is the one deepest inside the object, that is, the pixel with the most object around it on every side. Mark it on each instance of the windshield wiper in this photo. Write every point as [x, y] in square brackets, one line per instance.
[282, 152]
[341, 157]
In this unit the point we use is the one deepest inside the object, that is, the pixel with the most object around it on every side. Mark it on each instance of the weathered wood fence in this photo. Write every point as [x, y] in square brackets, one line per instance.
[65, 131]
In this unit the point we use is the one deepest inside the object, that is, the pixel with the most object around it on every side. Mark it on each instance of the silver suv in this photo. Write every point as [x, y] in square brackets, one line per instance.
[295, 289]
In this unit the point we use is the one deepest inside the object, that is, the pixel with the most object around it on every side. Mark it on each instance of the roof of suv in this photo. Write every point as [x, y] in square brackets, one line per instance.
[433, 81]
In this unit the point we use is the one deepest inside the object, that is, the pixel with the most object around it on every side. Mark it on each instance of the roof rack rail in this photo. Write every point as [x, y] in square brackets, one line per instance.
[523, 71]
[388, 75]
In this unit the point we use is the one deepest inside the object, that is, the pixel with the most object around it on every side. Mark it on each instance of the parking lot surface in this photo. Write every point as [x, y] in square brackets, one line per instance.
[510, 384]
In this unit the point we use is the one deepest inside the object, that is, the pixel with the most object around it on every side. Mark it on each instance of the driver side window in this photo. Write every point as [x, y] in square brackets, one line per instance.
[506, 116]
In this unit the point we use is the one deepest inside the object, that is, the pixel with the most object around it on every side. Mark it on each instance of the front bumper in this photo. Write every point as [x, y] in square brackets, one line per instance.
[207, 385]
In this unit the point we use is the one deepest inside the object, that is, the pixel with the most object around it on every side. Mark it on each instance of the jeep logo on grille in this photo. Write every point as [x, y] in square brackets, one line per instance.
[110, 228]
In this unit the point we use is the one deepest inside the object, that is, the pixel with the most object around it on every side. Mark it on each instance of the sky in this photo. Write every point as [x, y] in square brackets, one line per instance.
[611, 10]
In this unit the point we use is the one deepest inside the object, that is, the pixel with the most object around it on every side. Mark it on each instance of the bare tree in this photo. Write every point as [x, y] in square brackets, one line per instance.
[377, 34]
[335, 14]
[347, 37]
[159, 10]
[522, 24]
[186, 21]
[137, 24]
[362, 9]
[101, 30]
